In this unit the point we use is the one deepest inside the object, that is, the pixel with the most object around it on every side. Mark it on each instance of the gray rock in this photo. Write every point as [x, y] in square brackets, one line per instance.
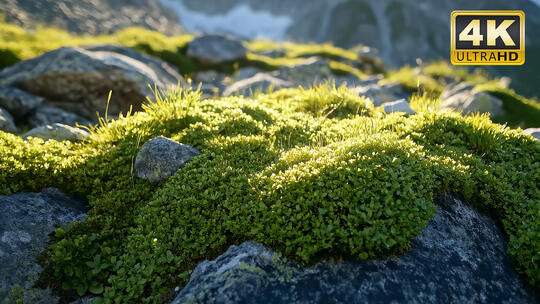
[257, 83]
[534, 132]
[216, 49]
[18, 102]
[6, 122]
[57, 132]
[210, 82]
[79, 80]
[455, 88]
[312, 71]
[26, 219]
[462, 96]
[161, 157]
[246, 72]
[380, 94]
[398, 106]
[209, 76]
[459, 258]
[47, 115]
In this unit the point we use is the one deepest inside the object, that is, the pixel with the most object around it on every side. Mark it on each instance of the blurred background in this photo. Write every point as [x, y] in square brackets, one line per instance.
[398, 31]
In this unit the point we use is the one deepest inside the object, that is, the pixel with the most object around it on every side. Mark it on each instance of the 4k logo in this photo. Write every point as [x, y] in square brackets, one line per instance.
[487, 37]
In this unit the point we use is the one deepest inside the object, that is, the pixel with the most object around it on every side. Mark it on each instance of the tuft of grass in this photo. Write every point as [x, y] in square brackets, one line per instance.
[424, 102]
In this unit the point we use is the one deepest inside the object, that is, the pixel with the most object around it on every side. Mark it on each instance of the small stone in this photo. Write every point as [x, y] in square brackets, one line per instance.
[161, 157]
[216, 49]
[57, 131]
[398, 106]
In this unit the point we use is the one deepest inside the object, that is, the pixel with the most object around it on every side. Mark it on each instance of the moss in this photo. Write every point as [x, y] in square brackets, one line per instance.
[276, 170]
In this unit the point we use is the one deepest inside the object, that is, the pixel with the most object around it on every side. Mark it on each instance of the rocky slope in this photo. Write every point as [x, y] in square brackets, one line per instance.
[401, 30]
[91, 17]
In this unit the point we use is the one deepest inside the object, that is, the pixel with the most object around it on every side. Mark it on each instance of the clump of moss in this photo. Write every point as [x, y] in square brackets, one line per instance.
[274, 169]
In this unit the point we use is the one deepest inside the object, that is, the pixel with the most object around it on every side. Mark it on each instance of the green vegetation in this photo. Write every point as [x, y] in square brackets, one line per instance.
[18, 44]
[310, 173]
[432, 78]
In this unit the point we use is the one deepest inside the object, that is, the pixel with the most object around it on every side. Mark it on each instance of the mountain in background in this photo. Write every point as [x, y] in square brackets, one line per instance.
[401, 30]
[91, 16]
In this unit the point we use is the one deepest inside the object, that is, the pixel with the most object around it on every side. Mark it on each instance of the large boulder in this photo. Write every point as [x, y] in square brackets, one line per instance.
[58, 132]
[161, 157]
[79, 80]
[258, 83]
[459, 258]
[216, 49]
[26, 219]
[6, 122]
[462, 96]
[18, 102]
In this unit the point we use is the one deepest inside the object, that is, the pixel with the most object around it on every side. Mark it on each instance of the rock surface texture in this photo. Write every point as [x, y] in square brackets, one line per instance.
[462, 96]
[161, 157]
[459, 258]
[79, 80]
[47, 115]
[26, 219]
[312, 71]
[18, 102]
[216, 49]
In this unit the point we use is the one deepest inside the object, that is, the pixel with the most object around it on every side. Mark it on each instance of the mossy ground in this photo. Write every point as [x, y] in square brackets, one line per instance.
[276, 169]
[311, 173]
